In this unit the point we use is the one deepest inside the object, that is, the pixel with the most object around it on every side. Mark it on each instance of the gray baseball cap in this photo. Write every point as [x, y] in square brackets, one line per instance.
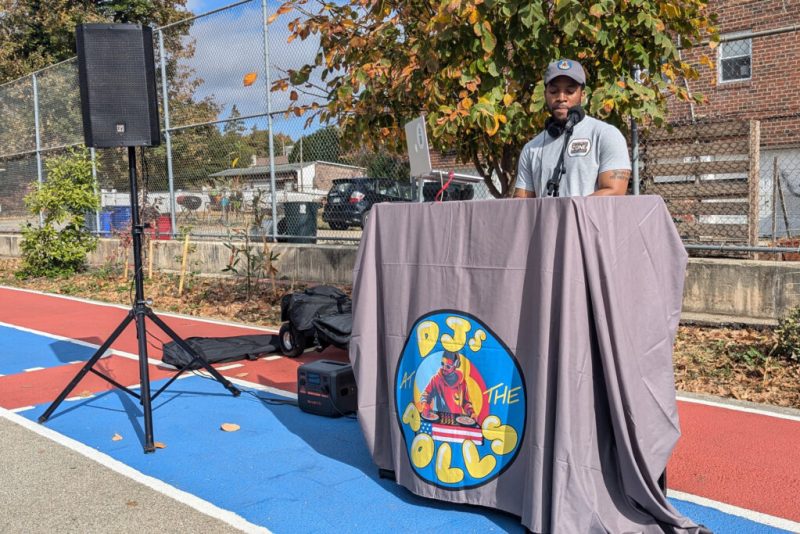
[565, 67]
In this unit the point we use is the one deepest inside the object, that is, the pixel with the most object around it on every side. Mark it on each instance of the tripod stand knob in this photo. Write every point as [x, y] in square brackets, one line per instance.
[149, 302]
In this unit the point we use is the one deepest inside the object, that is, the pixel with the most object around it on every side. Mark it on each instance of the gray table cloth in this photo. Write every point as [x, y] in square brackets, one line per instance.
[517, 354]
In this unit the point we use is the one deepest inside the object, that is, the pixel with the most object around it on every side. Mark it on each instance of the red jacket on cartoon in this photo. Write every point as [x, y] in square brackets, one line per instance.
[448, 390]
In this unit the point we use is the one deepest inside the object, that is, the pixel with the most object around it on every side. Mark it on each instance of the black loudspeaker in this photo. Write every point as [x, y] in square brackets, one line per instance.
[116, 72]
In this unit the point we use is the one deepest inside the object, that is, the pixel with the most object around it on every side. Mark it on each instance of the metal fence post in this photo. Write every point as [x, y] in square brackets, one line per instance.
[272, 184]
[634, 156]
[167, 133]
[754, 183]
[39, 176]
[96, 188]
[637, 74]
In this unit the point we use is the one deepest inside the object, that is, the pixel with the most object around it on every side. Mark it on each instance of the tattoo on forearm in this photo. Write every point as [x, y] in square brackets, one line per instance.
[620, 175]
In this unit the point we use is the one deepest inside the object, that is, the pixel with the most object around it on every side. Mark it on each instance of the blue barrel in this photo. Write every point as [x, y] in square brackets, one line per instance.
[105, 222]
[120, 217]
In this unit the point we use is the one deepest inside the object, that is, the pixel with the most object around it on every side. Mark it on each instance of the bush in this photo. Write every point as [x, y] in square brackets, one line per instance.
[788, 336]
[60, 245]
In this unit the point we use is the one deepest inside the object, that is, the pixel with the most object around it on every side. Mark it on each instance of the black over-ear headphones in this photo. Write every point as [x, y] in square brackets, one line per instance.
[556, 128]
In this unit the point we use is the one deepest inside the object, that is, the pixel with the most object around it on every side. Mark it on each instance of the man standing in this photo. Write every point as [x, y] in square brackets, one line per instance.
[575, 155]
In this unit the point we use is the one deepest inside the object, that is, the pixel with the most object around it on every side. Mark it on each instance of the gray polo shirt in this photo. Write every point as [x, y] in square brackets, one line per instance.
[594, 147]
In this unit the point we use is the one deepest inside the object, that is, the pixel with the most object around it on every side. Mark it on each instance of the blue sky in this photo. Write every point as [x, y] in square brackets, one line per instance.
[202, 6]
[228, 45]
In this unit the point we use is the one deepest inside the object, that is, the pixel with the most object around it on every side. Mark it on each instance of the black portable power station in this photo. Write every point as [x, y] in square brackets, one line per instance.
[326, 387]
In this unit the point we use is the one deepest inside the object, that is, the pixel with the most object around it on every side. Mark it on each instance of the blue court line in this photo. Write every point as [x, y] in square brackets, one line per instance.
[20, 350]
[720, 522]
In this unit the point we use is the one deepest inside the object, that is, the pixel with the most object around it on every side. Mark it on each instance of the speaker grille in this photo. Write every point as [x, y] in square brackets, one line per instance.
[118, 97]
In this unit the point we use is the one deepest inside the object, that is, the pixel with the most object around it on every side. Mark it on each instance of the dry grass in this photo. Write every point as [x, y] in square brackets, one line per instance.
[718, 361]
[735, 363]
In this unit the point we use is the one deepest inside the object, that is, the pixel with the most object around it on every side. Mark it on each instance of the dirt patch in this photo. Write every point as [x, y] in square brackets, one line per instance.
[726, 362]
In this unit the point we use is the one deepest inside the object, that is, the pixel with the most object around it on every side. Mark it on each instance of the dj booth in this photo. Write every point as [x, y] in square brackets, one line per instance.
[517, 354]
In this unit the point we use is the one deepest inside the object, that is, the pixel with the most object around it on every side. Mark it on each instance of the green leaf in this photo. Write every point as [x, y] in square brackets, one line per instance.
[488, 40]
[570, 27]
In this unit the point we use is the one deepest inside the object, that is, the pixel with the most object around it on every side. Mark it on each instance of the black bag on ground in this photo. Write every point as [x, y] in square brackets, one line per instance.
[301, 308]
[220, 349]
[334, 329]
[321, 315]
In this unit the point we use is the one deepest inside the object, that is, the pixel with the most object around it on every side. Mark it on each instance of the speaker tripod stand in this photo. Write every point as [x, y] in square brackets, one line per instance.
[137, 313]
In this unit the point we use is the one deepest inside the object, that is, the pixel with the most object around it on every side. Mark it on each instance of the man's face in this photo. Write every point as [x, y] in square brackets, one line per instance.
[448, 366]
[561, 94]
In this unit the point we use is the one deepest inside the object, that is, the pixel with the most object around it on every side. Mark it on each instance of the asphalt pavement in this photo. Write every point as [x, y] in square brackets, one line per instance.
[46, 487]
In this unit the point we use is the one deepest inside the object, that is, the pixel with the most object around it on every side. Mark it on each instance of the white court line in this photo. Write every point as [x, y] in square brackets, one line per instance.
[270, 358]
[735, 407]
[78, 397]
[229, 367]
[22, 409]
[31, 369]
[758, 517]
[188, 499]
[160, 313]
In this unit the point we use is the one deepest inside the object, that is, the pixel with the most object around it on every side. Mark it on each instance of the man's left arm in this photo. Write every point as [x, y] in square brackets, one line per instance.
[615, 165]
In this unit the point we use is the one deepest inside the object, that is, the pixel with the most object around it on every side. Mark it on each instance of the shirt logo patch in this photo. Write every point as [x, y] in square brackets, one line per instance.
[579, 147]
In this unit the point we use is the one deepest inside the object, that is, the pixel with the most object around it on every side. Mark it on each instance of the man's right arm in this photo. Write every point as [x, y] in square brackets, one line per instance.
[524, 185]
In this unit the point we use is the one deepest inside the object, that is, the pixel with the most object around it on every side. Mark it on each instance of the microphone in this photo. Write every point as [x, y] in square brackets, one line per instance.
[575, 114]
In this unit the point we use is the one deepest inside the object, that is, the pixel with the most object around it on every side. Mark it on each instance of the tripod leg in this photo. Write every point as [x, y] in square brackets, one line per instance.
[189, 350]
[86, 368]
[144, 379]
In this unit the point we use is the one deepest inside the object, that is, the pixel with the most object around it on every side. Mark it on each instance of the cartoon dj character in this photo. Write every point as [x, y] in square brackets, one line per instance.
[448, 389]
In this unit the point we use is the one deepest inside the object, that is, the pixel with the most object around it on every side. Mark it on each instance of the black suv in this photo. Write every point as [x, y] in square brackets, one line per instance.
[350, 199]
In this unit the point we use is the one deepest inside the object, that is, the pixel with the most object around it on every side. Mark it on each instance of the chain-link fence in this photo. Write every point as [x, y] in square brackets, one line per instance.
[725, 183]
[234, 162]
[228, 142]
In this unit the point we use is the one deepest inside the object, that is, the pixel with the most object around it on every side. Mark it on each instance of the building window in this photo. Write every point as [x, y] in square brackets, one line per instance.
[735, 58]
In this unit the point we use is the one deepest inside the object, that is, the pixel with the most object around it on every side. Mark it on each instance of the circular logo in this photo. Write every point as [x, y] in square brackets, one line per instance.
[460, 401]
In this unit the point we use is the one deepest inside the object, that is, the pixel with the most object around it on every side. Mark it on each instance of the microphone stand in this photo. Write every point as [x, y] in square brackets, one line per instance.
[555, 181]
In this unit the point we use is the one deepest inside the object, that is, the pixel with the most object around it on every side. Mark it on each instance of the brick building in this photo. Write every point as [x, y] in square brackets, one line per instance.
[757, 74]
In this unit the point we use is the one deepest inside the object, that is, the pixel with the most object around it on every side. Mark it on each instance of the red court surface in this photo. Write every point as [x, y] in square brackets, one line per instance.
[747, 460]
[744, 459]
[93, 323]
[44, 385]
